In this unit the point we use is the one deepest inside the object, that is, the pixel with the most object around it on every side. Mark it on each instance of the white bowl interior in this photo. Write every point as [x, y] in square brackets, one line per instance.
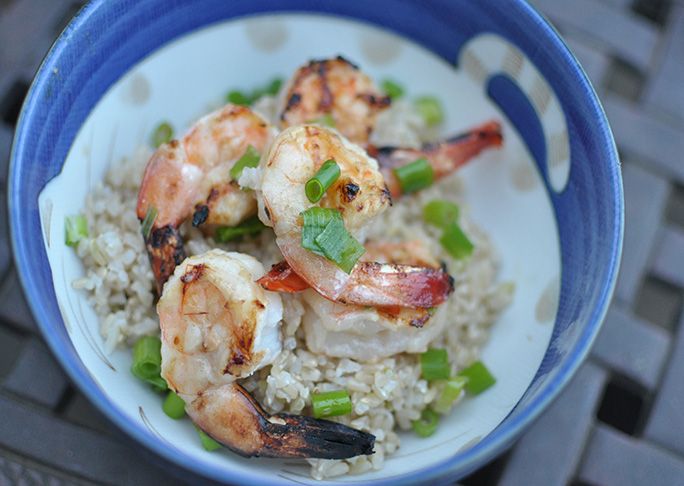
[504, 190]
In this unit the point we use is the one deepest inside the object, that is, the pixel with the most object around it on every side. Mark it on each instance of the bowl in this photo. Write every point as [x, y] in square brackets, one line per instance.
[551, 199]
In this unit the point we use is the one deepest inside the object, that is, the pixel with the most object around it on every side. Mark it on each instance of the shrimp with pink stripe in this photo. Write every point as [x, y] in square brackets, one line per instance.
[337, 90]
[191, 177]
[219, 326]
[358, 195]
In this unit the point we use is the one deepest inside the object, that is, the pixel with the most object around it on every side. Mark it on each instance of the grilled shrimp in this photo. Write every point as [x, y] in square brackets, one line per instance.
[359, 194]
[444, 157]
[219, 326]
[359, 332]
[339, 89]
[192, 175]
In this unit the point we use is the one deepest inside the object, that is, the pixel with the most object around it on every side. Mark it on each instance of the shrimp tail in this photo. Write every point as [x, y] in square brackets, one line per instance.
[461, 148]
[375, 284]
[324, 439]
[392, 285]
[281, 278]
[165, 249]
[232, 417]
[444, 156]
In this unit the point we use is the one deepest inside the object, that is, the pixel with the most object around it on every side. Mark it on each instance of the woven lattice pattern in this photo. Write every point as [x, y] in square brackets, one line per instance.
[619, 422]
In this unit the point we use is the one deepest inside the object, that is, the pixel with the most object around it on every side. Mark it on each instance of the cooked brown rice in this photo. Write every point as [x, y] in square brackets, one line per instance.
[387, 394]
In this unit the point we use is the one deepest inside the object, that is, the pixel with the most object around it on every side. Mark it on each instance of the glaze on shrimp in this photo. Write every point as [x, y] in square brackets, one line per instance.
[367, 333]
[191, 177]
[295, 156]
[444, 157]
[337, 88]
[219, 326]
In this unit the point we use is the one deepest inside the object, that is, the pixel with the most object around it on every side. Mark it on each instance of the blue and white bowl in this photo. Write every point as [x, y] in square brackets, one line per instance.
[551, 199]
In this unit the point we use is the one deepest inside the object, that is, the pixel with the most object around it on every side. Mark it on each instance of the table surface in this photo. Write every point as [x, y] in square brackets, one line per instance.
[619, 422]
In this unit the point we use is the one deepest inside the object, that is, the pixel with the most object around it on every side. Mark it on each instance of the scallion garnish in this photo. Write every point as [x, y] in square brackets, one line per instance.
[325, 120]
[444, 214]
[148, 222]
[75, 229]
[146, 364]
[441, 213]
[249, 159]
[331, 404]
[274, 86]
[251, 226]
[173, 406]
[158, 383]
[478, 376]
[238, 98]
[434, 364]
[430, 109]
[427, 424]
[455, 242]
[314, 222]
[162, 134]
[339, 246]
[393, 89]
[414, 176]
[453, 389]
[322, 180]
[208, 443]
[323, 233]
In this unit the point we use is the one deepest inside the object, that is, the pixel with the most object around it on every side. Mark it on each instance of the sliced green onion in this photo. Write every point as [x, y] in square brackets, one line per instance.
[322, 180]
[339, 246]
[208, 443]
[393, 89]
[430, 109]
[147, 357]
[249, 159]
[331, 404]
[147, 223]
[162, 134]
[271, 88]
[414, 176]
[242, 98]
[441, 213]
[256, 94]
[174, 406]
[325, 120]
[479, 378]
[434, 364]
[452, 391]
[324, 234]
[427, 424]
[75, 229]
[238, 98]
[251, 226]
[147, 361]
[315, 220]
[274, 87]
[158, 384]
[455, 242]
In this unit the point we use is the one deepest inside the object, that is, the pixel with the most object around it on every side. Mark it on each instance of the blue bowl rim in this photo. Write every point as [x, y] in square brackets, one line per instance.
[456, 466]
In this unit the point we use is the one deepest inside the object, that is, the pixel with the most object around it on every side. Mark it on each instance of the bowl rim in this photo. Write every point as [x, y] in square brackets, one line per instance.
[461, 464]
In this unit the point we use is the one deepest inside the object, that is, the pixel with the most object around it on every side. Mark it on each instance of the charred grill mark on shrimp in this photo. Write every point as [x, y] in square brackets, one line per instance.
[334, 87]
[189, 178]
[219, 326]
[165, 250]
